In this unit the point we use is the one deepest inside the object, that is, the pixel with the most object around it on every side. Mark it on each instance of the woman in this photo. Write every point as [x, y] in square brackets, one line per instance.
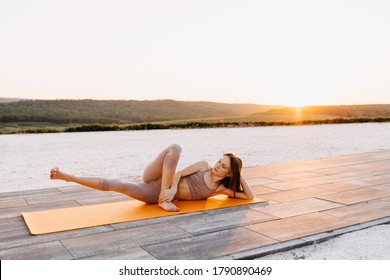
[162, 184]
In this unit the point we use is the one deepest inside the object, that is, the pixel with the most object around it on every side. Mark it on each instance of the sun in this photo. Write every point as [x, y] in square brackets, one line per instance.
[297, 104]
[295, 98]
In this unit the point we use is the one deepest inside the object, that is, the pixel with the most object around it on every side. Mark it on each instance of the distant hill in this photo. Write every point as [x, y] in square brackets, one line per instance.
[119, 111]
[8, 100]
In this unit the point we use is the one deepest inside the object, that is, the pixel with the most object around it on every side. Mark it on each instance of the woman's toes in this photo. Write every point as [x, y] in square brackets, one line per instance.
[168, 206]
[173, 207]
[55, 173]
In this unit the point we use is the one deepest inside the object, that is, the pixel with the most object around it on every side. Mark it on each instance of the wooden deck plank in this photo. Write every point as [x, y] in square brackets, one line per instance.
[206, 223]
[342, 169]
[64, 196]
[208, 246]
[296, 194]
[301, 183]
[339, 186]
[134, 253]
[12, 224]
[385, 199]
[22, 237]
[313, 165]
[119, 240]
[377, 179]
[16, 211]
[299, 226]
[384, 187]
[102, 199]
[256, 172]
[363, 212]
[258, 190]
[354, 196]
[31, 193]
[12, 203]
[282, 177]
[43, 251]
[149, 222]
[75, 189]
[261, 181]
[361, 177]
[297, 207]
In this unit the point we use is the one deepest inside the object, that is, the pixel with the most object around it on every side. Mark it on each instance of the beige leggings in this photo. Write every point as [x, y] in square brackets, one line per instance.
[158, 172]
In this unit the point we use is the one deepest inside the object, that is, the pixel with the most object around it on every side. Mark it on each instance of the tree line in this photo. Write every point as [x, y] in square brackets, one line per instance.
[118, 111]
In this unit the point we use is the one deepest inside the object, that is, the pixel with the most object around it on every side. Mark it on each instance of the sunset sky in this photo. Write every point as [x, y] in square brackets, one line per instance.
[301, 52]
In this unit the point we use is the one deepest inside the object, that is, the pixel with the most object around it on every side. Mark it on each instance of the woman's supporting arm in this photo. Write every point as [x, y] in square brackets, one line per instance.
[246, 188]
[170, 193]
[246, 194]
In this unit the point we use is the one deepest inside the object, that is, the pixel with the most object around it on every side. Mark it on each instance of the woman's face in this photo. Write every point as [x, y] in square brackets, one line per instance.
[222, 167]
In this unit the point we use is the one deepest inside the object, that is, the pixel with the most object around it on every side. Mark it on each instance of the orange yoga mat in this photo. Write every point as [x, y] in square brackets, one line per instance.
[49, 221]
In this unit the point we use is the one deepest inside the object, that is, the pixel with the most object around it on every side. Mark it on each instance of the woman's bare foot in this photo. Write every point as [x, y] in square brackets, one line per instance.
[168, 206]
[56, 174]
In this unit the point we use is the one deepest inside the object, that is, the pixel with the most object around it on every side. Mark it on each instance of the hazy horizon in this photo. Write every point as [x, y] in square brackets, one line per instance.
[261, 104]
[293, 53]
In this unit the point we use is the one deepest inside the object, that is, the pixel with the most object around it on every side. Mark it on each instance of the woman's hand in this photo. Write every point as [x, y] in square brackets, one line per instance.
[167, 195]
[247, 189]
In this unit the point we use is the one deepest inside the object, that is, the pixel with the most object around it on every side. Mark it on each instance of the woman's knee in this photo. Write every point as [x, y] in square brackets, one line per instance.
[172, 156]
[175, 149]
[104, 184]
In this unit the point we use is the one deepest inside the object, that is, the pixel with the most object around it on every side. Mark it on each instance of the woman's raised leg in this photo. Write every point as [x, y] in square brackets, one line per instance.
[164, 167]
[92, 182]
[140, 191]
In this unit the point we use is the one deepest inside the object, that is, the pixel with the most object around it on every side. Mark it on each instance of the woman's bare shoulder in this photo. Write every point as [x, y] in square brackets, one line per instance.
[197, 166]
[205, 165]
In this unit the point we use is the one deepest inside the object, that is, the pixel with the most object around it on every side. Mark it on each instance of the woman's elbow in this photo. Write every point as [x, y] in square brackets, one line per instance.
[245, 196]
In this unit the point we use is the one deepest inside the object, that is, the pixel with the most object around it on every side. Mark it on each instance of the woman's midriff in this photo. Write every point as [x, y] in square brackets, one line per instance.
[184, 190]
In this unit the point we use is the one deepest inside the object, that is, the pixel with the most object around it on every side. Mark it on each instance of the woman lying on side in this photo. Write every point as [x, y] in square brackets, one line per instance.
[162, 184]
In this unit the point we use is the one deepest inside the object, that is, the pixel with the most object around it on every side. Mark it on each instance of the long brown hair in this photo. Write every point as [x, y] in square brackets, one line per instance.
[234, 180]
